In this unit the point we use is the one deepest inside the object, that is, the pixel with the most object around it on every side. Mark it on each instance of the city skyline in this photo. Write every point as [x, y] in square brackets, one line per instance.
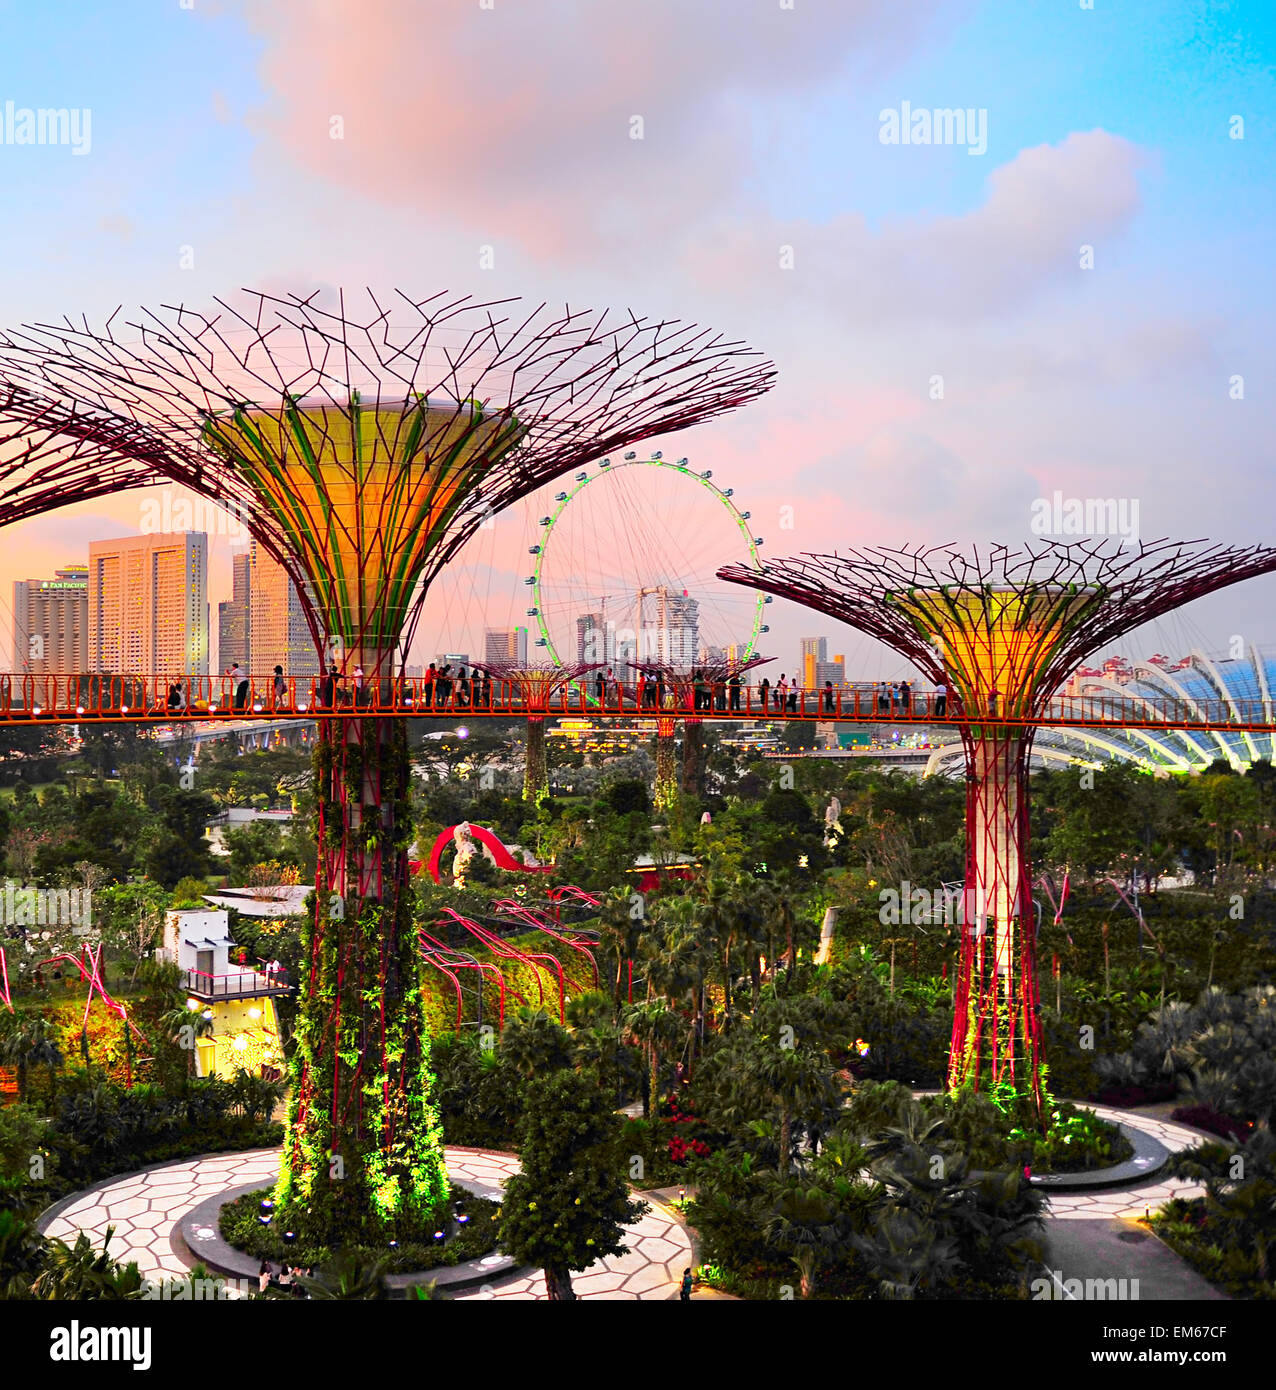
[1078, 313]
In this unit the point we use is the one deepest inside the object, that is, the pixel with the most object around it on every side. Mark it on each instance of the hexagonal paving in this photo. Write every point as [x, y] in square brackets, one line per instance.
[145, 1208]
[1132, 1201]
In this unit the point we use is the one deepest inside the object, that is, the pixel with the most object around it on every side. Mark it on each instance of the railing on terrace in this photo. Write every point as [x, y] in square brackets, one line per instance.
[189, 699]
[243, 984]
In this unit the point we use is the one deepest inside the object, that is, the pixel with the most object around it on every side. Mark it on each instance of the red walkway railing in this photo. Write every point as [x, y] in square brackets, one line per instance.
[195, 699]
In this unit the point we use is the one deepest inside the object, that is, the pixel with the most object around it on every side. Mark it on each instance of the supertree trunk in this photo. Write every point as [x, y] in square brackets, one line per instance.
[364, 1147]
[693, 757]
[666, 788]
[536, 770]
[997, 1033]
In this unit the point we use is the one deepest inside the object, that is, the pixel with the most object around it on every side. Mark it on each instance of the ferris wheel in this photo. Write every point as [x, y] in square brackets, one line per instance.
[625, 568]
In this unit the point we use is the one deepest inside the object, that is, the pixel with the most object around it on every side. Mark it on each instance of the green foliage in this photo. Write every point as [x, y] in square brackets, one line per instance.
[81, 1271]
[1230, 1233]
[569, 1205]
[415, 1248]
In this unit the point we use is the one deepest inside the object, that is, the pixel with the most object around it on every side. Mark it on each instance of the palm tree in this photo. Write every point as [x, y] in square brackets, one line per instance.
[795, 1080]
[533, 1043]
[349, 1276]
[805, 1224]
[253, 1096]
[185, 1026]
[28, 1040]
[79, 1271]
[652, 1026]
[906, 1252]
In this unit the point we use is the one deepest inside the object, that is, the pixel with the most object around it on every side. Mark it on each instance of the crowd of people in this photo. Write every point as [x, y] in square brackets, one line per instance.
[286, 1279]
[444, 688]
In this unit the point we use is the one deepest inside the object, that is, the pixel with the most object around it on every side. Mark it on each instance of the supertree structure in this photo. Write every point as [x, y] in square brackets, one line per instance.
[684, 690]
[534, 685]
[361, 447]
[1004, 628]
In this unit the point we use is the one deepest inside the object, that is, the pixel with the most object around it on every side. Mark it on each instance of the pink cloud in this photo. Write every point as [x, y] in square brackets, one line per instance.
[1042, 207]
[517, 120]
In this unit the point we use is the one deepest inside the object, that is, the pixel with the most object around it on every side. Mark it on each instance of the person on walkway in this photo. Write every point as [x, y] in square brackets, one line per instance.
[828, 697]
[905, 696]
[238, 686]
[463, 688]
[684, 1289]
[883, 698]
[328, 687]
[427, 686]
[600, 686]
[764, 691]
[733, 685]
[176, 697]
[941, 700]
[279, 688]
[485, 693]
[781, 691]
[263, 1277]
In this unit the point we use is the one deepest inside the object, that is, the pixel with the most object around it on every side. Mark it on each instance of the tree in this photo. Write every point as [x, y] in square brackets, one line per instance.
[653, 1027]
[27, 1040]
[569, 1205]
[80, 1271]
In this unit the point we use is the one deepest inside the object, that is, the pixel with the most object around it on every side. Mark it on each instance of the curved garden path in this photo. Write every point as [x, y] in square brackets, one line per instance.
[145, 1208]
[1096, 1235]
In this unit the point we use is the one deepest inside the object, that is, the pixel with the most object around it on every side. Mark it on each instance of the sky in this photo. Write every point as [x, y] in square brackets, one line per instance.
[1079, 301]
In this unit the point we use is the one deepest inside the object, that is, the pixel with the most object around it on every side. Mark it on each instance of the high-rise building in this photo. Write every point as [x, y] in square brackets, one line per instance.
[235, 615]
[278, 634]
[51, 623]
[453, 659]
[148, 605]
[592, 638]
[834, 671]
[736, 654]
[814, 651]
[505, 646]
[673, 639]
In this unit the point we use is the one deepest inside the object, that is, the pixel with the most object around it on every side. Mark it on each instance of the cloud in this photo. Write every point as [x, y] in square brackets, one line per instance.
[518, 121]
[1041, 207]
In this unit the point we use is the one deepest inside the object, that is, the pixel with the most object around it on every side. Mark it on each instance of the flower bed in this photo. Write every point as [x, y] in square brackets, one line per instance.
[1078, 1141]
[470, 1234]
[1185, 1226]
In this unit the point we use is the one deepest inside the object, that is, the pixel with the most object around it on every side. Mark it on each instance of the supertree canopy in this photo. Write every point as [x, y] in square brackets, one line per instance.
[535, 684]
[361, 449]
[689, 690]
[1003, 628]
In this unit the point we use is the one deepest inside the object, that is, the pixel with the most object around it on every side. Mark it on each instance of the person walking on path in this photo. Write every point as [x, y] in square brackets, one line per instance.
[684, 1289]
